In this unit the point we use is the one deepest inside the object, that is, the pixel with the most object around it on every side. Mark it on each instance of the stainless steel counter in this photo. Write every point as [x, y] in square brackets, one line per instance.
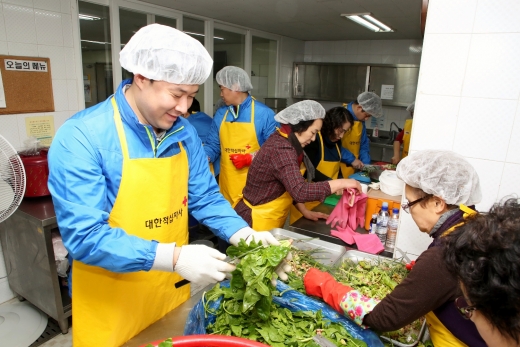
[322, 230]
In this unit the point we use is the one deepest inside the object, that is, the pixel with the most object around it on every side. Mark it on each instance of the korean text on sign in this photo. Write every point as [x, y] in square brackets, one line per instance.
[25, 65]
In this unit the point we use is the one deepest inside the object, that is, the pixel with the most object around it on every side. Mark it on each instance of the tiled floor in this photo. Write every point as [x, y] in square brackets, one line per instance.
[60, 340]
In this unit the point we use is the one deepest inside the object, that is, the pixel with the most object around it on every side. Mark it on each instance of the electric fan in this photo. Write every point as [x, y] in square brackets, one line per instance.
[20, 322]
[12, 179]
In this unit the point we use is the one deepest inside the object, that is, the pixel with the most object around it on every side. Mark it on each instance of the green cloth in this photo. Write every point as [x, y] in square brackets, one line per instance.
[332, 200]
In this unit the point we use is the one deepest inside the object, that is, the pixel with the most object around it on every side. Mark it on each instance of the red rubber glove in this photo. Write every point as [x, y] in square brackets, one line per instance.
[323, 285]
[241, 160]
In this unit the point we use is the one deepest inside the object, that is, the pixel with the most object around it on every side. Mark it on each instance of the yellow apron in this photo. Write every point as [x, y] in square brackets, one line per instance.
[235, 138]
[441, 336]
[328, 168]
[406, 136]
[110, 308]
[352, 141]
[271, 214]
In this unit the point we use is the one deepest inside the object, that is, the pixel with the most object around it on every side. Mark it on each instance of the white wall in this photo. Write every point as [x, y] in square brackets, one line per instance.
[367, 52]
[41, 28]
[468, 96]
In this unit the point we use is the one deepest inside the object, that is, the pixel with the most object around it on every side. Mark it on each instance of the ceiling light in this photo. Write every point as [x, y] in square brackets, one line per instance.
[198, 34]
[369, 22]
[88, 17]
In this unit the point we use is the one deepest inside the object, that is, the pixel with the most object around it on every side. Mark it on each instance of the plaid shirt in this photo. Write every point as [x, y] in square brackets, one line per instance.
[275, 170]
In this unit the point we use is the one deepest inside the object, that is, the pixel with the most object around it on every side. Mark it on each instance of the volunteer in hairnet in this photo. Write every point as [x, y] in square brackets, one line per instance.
[238, 131]
[123, 175]
[403, 138]
[441, 191]
[274, 179]
[356, 140]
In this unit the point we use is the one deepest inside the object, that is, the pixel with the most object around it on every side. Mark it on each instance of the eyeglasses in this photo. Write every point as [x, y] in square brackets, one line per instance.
[406, 207]
[464, 308]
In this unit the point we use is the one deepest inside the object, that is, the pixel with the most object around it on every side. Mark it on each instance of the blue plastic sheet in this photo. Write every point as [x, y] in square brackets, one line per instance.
[291, 299]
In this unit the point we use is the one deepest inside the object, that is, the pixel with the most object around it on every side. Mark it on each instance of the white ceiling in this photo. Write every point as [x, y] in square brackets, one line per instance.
[309, 20]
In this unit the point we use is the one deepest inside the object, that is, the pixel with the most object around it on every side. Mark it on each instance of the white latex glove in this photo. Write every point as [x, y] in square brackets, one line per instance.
[202, 264]
[248, 234]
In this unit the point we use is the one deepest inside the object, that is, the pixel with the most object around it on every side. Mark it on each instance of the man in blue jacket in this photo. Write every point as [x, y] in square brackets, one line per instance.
[123, 175]
[356, 141]
[238, 131]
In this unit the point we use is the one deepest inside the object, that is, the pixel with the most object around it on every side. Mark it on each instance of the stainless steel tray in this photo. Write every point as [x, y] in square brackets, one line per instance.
[356, 256]
[331, 252]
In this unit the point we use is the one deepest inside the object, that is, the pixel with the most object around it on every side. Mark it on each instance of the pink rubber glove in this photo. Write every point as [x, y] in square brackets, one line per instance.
[340, 214]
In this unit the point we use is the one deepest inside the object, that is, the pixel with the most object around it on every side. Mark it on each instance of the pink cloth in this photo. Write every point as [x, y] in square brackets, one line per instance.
[347, 234]
[369, 243]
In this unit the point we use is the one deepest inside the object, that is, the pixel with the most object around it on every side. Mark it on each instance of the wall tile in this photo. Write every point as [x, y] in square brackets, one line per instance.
[364, 46]
[493, 70]
[9, 130]
[23, 49]
[48, 28]
[375, 59]
[477, 136]
[65, 6]
[22, 132]
[308, 47]
[513, 152]
[50, 5]
[448, 16]
[285, 90]
[27, 3]
[307, 58]
[351, 47]
[340, 47]
[497, 16]
[61, 99]
[390, 59]
[510, 184]
[285, 74]
[489, 173]
[434, 127]
[19, 24]
[70, 63]
[442, 72]
[72, 89]
[60, 118]
[58, 68]
[66, 26]
[4, 49]
[3, 35]
[328, 58]
[409, 238]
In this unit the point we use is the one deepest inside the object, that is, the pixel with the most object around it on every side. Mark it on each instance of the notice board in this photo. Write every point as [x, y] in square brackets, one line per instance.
[26, 84]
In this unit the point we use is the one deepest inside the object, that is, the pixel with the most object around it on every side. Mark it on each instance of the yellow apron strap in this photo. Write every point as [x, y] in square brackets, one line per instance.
[467, 213]
[120, 130]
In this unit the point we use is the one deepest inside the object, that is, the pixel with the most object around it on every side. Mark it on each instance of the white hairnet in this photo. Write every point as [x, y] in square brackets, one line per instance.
[162, 53]
[411, 107]
[371, 103]
[300, 111]
[442, 173]
[234, 78]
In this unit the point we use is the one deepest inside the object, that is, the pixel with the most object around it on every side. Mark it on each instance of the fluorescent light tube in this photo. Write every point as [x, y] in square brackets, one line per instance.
[378, 23]
[198, 34]
[88, 17]
[364, 22]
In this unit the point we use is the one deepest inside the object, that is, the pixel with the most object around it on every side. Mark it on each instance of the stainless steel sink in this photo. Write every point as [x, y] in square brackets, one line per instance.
[385, 140]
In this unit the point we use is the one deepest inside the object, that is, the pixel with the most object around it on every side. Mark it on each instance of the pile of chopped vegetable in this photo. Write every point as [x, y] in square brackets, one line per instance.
[376, 279]
[247, 309]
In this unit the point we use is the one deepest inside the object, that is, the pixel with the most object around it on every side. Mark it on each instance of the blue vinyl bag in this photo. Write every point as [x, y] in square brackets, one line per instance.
[291, 299]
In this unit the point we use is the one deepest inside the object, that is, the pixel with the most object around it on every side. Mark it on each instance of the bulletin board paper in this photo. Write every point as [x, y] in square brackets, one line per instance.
[27, 84]
[42, 128]
[387, 91]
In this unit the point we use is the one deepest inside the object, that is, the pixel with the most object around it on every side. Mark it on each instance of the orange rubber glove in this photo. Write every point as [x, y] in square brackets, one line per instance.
[241, 160]
[323, 285]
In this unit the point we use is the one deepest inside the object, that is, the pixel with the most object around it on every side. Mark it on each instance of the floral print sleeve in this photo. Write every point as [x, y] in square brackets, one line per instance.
[356, 306]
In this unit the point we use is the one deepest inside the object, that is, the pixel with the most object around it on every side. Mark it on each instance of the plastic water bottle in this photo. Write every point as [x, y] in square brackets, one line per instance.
[373, 224]
[382, 223]
[393, 223]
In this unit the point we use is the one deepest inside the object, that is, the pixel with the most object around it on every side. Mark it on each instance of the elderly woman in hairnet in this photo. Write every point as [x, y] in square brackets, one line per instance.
[274, 180]
[123, 175]
[356, 141]
[441, 191]
[238, 131]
